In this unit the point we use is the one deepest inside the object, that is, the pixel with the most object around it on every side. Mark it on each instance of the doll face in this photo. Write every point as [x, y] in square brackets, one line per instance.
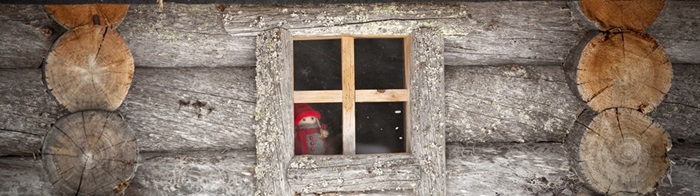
[309, 120]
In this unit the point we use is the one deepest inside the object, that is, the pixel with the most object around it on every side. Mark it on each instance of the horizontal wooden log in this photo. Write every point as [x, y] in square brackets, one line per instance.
[202, 173]
[28, 33]
[543, 168]
[476, 33]
[507, 169]
[169, 109]
[191, 109]
[353, 173]
[508, 104]
[27, 111]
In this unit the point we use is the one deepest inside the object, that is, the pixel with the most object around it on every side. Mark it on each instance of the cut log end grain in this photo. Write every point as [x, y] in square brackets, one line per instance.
[625, 69]
[89, 67]
[90, 153]
[610, 14]
[73, 16]
[620, 151]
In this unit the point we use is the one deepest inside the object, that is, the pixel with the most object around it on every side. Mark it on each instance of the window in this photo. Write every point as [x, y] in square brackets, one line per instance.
[359, 85]
[420, 170]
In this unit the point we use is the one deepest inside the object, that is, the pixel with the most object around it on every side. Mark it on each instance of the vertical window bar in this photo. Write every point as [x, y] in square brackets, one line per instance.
[348, 55]
[407, 105]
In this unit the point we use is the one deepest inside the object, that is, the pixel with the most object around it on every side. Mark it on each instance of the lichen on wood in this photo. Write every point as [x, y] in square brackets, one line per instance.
[427, 109]
[274, 111]
[90, 153]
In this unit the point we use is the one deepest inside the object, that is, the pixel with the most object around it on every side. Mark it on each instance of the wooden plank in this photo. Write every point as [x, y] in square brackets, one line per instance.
[427, 103]
[320, 96]
[207, 173]
[274, 129]
[27, 35]
[348, 80]
[388, 95]
[349, 173]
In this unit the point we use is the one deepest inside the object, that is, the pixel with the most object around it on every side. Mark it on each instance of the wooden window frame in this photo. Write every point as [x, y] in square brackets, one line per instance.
[349, 96]
[421, 169]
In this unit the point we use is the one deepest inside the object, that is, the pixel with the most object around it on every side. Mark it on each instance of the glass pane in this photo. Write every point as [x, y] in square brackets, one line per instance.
[379, 64]
[309, 122]
[317, 65]
[380, 128]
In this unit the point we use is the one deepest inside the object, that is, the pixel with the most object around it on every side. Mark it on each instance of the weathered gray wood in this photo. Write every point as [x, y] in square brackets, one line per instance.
[27, 35]
[353, 173]
[508, 104]
[506, 169]
[191, 109]
[26, 111]
[184, 36]
[198, 173]
[23, 176]
[274, 126]
[484, 104]
[684, 171]
[427, 109]
[512, 169]
[679, 112]
[476, 33]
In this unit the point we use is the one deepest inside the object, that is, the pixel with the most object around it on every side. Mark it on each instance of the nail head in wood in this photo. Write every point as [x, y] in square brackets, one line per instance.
[90, 153]
[89, 67]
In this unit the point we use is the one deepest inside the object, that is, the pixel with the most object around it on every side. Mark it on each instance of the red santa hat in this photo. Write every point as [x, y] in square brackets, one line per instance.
[302, 110]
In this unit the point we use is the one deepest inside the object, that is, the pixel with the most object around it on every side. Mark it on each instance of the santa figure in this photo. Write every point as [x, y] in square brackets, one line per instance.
[309, 134]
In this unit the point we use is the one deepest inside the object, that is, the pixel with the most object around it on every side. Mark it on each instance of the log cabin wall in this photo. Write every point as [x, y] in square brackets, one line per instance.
[192, 99]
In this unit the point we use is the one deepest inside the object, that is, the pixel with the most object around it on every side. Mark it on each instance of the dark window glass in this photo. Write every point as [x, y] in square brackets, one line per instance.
[331, 115]
[379, 64]
[380, 128]
[317, 65]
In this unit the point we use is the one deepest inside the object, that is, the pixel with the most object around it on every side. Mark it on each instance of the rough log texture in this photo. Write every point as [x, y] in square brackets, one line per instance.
[427, 108]
[27, 35]
[355, 173]
[192, 109]
[274, 126]
[619, 69]
[508, 169]
[618, 151]
[27, 111]
[89, 68]
[195, 173]
[508, 104]
[476, 33]
[90, 153]
[608, 14]
[72, 16]
[169, 108]
[679, 113]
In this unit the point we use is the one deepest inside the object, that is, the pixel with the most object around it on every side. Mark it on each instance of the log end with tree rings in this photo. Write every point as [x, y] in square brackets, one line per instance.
[609, 14]
[622, 69]
[73, 16]
[619, 151]
[90, 153]
[89, 67]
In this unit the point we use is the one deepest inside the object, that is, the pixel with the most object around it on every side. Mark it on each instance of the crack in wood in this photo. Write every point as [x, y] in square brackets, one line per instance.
[22, 132]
